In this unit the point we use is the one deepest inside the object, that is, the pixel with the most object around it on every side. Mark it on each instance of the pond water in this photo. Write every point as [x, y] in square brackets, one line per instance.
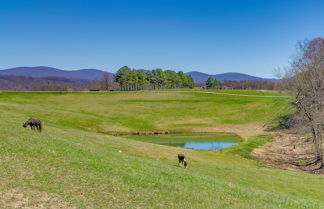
[201, 141]
[208, 145]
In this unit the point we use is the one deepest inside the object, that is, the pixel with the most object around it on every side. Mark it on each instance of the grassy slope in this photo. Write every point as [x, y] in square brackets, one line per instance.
[141, 111]
[86, 170]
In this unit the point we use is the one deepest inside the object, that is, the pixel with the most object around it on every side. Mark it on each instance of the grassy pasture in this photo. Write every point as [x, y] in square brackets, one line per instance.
[73, 164]
[127, 112]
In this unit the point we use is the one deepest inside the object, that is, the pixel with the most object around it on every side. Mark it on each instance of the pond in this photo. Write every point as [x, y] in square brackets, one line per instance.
[201, 141]
[208, 145]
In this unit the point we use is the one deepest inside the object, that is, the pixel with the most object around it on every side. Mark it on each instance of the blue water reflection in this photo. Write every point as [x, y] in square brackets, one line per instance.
[207, 145]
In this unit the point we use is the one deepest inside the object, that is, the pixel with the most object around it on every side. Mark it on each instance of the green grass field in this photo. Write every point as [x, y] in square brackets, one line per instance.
[127, 112]
[74, 163]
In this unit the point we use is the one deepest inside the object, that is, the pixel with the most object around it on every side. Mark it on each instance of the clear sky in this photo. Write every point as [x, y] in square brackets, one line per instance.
[212, 36]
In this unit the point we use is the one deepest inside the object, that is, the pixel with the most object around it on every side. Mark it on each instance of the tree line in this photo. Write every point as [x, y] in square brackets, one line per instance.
[133, 79]
[23, 83]
[127, 79]
[249, 84]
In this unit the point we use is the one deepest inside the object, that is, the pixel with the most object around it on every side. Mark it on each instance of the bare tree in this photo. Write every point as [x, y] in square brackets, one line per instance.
[306, 76]
[105, 81]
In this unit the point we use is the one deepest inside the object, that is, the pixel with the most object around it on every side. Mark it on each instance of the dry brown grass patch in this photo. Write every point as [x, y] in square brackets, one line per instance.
[30, 199]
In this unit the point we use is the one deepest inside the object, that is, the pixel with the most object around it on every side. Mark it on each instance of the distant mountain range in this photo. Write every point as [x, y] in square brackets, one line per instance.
[42, 71]
[93, 74]
[202, 77]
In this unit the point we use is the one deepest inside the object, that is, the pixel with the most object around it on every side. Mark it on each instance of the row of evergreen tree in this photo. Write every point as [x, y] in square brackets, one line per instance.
[132, 79]
[212, 83]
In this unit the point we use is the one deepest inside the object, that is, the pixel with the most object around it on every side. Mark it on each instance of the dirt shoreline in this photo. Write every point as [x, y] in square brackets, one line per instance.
[244, 131]
[289, 152]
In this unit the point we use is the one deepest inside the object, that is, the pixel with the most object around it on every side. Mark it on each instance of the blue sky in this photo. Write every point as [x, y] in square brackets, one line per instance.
[247, 36]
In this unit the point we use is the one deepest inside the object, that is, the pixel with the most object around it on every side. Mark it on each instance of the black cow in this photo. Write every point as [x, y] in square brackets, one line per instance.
[34, 124]
[182, 160]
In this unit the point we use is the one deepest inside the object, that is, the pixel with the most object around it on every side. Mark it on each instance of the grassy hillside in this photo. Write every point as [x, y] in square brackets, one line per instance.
[71, 166]
[126, 112]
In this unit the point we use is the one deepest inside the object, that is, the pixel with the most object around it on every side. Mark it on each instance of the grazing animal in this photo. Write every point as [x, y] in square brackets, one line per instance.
[182, 160]
[34, 124]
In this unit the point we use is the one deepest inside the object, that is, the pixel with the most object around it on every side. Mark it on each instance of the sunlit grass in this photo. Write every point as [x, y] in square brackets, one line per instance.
[75, 165]
[128, 112]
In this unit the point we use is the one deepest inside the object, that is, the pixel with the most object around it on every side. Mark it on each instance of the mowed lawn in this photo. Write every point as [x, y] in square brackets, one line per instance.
[73, 164]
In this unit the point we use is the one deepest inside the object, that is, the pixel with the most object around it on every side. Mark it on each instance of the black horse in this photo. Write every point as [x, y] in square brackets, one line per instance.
[182, 160]
[34, 124]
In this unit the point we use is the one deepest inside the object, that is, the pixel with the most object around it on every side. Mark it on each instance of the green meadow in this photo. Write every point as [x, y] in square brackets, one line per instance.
[127, 112]
[76, 162]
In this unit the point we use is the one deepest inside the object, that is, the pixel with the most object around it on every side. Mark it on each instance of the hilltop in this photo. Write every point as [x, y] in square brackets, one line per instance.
[202, 77]
[43, 71]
